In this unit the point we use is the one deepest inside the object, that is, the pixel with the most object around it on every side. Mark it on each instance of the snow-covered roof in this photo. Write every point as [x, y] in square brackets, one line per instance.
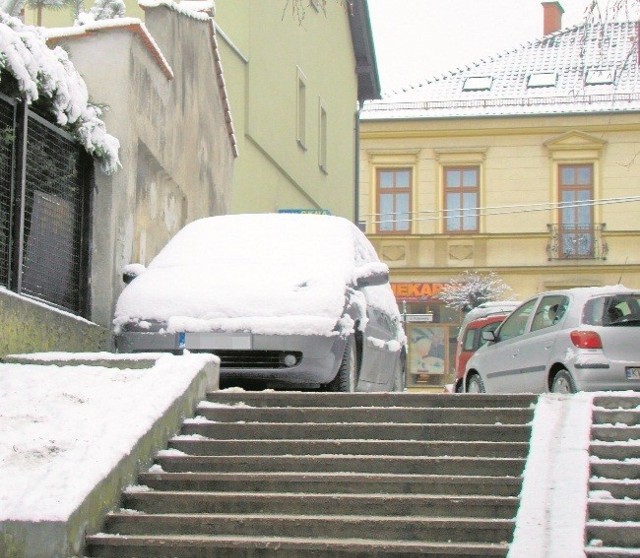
[586, 68]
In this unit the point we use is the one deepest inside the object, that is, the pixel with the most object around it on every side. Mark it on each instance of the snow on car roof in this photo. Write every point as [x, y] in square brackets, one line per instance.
[266, 273]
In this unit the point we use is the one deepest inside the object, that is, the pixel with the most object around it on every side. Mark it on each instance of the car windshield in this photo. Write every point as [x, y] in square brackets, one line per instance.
[613, 310]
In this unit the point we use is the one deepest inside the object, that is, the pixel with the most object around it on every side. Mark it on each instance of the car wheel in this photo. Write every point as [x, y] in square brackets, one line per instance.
[563, 382]
[475, 384]
[459, 387]
[347, 375]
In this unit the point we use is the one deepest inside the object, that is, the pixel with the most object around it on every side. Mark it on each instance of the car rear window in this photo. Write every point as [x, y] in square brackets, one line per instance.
[613, 310]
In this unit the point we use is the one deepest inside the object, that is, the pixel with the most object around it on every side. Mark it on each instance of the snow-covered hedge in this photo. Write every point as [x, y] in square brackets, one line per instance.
[43, 72]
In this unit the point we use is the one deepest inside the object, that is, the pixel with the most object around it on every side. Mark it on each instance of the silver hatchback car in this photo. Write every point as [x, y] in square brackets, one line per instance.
[285, 300]
[583, 339]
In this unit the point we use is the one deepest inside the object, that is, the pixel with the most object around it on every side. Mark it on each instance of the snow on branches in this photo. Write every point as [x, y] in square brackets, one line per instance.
[468, 290]
[45, 73]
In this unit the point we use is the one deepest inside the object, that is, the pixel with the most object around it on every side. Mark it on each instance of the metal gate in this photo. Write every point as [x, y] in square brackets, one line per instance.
[44, 209]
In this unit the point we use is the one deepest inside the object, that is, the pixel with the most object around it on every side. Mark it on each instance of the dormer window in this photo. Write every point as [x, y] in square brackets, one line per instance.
[600, 76]
[542, 79]
[479, 83]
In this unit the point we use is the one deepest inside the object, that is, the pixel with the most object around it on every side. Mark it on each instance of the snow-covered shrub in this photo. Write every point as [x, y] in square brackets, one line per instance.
[47, 75]
[102, 9]
[471, 289]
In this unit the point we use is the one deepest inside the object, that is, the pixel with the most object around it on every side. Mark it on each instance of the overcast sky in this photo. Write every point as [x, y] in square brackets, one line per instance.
[417, 39]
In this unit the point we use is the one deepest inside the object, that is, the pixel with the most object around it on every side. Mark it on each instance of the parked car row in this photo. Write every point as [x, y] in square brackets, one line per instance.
[583, 339]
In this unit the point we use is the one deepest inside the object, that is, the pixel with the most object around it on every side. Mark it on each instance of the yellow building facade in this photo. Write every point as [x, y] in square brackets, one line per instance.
[526, 165]
[295, 88]
[517, 166]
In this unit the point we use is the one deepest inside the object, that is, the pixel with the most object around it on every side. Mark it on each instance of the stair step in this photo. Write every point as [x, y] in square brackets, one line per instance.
[202, 446]
[612, 433]
[615, 450]
[616, 402]
[403, 415]
[615, 510]
[412, 528]
[331, 504]
[614, 469]
[622, 535]
[339, 483]
[116, 546]
[358, 431]
[618, 488]
[629, 417]
[611, 552]
[381, 400]
[343, 463]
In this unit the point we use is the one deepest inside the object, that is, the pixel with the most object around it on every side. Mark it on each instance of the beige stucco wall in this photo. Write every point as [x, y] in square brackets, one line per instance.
[176, 154]
[263, 49]
[518, 159]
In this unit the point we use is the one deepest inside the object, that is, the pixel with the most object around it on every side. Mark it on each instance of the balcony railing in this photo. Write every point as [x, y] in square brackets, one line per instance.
[573, 242]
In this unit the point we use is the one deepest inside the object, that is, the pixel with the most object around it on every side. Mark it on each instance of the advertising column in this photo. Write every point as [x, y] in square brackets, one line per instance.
[429, 326]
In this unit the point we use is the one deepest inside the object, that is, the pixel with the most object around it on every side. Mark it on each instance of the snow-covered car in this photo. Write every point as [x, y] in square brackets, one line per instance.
[583, 339]
[295, 300]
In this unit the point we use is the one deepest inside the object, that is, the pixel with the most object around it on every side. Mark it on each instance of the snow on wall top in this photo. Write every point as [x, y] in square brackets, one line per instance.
[586, 68]
[43, 71]
[122, 23]
[196, 10]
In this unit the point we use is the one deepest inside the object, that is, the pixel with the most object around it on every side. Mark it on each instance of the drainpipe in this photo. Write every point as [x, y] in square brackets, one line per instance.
[356, 205]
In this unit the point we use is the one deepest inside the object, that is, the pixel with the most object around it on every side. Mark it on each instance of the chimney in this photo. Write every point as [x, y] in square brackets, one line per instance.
[552, 17]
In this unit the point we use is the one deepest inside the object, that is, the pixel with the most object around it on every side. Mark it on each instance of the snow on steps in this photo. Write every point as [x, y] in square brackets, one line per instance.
[613, 525]
[317, 475]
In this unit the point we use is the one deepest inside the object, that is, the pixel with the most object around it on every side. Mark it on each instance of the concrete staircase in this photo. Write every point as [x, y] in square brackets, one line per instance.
[263, 474]
[613, 526]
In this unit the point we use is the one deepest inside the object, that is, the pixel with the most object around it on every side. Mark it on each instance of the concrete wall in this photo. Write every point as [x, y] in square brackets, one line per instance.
[28, 326]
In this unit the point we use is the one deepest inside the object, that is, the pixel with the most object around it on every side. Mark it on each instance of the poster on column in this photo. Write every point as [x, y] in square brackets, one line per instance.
[427, 354]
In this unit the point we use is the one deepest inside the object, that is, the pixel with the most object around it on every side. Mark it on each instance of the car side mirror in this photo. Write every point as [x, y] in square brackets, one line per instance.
[371, 275]
[489, 336]
[131, 271]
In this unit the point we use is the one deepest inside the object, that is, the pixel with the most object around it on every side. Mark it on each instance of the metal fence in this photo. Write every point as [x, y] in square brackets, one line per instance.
[45, 184]
[572, 242]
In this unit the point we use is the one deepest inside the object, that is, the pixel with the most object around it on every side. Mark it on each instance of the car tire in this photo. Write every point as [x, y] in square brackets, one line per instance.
[458, 388]
[347, 376]
[563, 382]
[475, 384]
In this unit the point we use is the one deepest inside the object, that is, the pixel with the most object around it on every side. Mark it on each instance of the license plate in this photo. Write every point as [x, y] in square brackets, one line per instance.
[208, 341]
[633, 372]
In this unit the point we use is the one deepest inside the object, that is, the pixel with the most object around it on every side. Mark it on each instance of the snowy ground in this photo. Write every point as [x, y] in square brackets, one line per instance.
[62, 428]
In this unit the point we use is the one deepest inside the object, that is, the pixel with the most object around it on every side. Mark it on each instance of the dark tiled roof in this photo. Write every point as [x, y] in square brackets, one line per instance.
[592, 68]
